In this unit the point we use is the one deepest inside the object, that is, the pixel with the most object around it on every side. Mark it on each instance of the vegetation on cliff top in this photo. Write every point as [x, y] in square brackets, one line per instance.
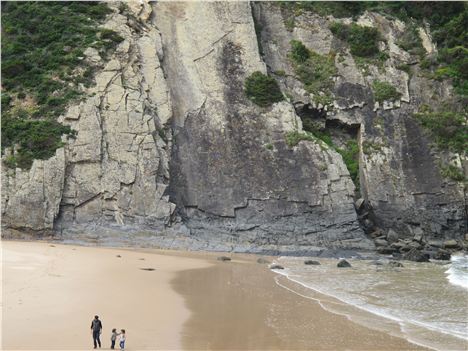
[447, 20]
[36, 139]
[262, 89]
[43, 68]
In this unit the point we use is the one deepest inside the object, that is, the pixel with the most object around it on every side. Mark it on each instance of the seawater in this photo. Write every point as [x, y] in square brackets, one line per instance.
[427, 303]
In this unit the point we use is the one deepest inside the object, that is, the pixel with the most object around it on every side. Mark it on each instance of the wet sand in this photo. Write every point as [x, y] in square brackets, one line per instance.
[190, 301]
[237, 305]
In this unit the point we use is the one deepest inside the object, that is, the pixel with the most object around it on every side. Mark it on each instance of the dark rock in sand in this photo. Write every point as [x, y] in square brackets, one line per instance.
[442, 255]
[343, 264]
[395, 264]
[223, 258]
[147, 269]
[451, 244]
[416, 256]
[312, 263]
[118, 256]
[376, 263]
[276, 266]
[263, 261]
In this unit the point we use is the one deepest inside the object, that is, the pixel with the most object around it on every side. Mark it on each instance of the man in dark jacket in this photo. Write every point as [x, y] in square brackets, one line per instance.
[96, 327]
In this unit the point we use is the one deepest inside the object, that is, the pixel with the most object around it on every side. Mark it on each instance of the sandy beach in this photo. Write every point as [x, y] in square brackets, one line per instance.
[189, 301]
[51, 293]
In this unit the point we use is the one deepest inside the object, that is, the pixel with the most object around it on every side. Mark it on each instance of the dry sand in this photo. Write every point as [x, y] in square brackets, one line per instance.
[190, 301]
[51, 293]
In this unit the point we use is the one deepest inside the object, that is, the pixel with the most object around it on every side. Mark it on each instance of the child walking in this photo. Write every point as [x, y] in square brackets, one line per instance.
[113, 338]
[122, 339]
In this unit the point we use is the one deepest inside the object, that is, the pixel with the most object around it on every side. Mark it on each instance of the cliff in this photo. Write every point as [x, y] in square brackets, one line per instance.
[169, 150]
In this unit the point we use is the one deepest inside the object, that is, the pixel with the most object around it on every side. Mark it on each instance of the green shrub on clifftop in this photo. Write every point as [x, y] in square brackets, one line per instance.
[262, 90]
[43, 67]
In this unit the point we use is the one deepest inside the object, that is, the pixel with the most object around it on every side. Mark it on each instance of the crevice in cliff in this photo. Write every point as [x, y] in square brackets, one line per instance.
[345, 139]
[341, 137]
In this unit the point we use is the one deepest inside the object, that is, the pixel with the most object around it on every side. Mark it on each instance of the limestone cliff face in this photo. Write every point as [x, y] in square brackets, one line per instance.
[400, 177]
[167, 143]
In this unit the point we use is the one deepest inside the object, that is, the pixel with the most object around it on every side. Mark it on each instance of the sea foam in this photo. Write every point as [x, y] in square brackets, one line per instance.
[429, 310]
[457, 274]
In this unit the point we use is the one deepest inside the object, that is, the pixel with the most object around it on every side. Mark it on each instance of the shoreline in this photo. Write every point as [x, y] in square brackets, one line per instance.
[371, 315]
[238, 301]
[269, 316]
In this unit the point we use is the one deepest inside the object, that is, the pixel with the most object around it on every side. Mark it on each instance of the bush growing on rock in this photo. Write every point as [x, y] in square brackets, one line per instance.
[448, 128]
[36, 139]
[262, 89]
[384, 91]
[299, 53]
[452, 172]
[350, 156]
[363, 41]
[314, 70]
[293, 138]
[411, 41]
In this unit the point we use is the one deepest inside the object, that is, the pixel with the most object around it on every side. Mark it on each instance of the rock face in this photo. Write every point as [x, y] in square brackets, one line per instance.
[117, 169]
[224, 181]
[31, 199]
[400, 179]
[168, 146]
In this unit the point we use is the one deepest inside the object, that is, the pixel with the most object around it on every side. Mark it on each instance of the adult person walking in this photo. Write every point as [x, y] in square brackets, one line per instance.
[96, 328]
